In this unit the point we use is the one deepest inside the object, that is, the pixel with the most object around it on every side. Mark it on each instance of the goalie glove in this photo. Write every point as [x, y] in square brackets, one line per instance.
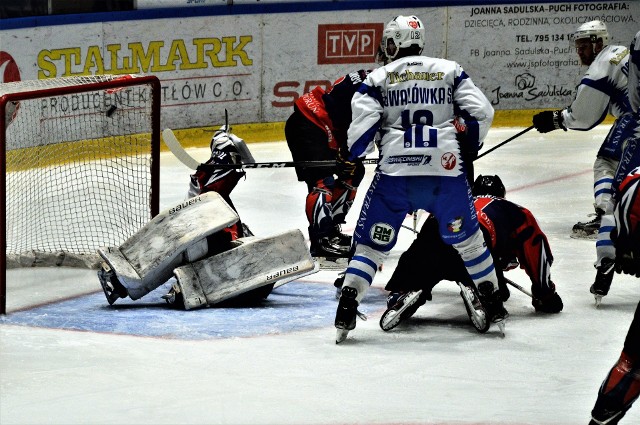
[224, 140]
[547, 121]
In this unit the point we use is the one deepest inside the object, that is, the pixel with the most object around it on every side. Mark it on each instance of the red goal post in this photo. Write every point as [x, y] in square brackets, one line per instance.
[80, 167]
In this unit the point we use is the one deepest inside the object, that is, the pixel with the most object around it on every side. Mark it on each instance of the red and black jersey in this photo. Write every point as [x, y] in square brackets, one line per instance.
[512, 232]
[331, 109]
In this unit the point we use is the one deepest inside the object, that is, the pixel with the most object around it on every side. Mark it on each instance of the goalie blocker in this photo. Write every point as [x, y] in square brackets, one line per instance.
[176, 241]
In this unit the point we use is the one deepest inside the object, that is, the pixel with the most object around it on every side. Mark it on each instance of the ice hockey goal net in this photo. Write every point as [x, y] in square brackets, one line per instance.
[80, 167]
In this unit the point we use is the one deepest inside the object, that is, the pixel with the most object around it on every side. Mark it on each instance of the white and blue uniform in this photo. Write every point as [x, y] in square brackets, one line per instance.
[412, 103]
[603, 90]
[626, 136]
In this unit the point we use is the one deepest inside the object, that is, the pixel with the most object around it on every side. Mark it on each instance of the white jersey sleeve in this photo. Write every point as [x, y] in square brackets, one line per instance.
[412, 102]
[634, 73]
[602, 90]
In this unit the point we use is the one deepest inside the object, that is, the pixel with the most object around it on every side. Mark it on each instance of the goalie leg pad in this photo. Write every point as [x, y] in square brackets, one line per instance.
[147, 259]
[253, 263]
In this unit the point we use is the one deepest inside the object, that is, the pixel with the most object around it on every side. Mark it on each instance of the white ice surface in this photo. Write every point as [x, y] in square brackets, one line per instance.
[433, 370]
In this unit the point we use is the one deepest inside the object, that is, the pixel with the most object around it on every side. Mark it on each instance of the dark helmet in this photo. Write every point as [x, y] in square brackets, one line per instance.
[488, 185]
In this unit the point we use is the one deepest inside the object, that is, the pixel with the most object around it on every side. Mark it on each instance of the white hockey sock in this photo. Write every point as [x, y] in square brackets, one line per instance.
[362, 269]
[477, 259]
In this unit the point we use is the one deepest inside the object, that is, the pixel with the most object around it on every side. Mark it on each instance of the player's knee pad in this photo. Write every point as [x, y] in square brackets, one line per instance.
[146, 260]
[342, 199]
[250, 264]
[318, 203]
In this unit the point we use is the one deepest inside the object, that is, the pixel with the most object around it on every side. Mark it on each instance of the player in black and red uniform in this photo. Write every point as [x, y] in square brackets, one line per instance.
[621, 388]
[512, 235]
[226, 149]
[315, 131]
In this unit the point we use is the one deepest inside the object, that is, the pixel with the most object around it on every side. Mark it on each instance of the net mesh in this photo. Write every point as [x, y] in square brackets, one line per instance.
[78, 163]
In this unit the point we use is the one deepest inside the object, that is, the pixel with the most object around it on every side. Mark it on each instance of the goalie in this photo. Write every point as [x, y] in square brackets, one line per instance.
[226, 149]
[212, 260]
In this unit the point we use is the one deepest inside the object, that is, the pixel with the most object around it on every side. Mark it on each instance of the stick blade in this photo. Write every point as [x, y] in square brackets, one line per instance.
[176, 148]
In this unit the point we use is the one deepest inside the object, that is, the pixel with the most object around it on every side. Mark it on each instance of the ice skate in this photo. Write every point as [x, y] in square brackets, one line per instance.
[604, 277]
[330, 253]
[588, 229]
[490, 299]
[343, 240]
[174, 296]
[402, 308]
[111, 286]
[475, 310]
[346, 313]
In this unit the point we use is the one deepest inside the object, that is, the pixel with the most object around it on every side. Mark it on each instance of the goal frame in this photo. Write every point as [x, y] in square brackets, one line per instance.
[116, 83]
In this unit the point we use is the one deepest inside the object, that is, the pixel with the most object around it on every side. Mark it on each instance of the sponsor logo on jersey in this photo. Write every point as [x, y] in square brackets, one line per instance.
[381, 233]
[410, 160]
[448, 161]
[455, 225]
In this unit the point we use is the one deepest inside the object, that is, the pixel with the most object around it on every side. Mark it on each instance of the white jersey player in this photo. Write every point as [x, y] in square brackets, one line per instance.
[602, 90]
[413, 101]
[617, 224]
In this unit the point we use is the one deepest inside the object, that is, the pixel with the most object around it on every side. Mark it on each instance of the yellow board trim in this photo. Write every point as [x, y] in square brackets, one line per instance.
[77, 151]
[274, 131]
[43, 156]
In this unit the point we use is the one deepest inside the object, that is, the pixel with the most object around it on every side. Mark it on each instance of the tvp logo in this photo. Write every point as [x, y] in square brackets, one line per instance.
[348, 43]
[381, 233]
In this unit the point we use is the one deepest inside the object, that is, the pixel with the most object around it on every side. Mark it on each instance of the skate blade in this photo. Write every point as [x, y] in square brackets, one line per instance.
[392, 318]
[478, 317]
[598, 299]
[341, 335]
[389, 320]
[501, 327]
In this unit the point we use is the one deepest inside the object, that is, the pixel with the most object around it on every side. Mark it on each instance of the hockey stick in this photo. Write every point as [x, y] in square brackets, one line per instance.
[176, 148]
[518, 287]
[283, 164]
[190, 162]
[504, 143]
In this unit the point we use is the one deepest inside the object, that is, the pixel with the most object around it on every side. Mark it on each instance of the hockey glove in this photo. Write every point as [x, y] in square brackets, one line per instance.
[628, 263]
[547, 121]
[346, 168]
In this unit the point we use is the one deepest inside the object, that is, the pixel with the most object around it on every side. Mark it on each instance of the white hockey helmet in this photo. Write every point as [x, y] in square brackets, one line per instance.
[402, 32]
[592, 30]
